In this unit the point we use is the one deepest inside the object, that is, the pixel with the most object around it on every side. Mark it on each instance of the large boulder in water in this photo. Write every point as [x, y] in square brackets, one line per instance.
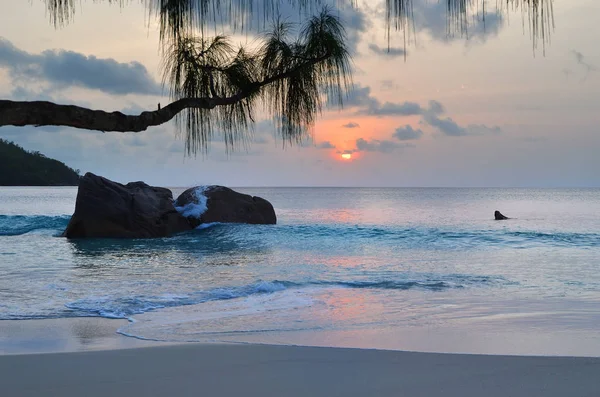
[208, 204]
[109, 209]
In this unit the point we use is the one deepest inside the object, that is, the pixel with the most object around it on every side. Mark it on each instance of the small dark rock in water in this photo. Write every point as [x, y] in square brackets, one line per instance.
[208, 204]
[499, 216]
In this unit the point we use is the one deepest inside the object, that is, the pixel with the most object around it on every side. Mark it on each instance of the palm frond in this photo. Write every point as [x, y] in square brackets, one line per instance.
[325, 34]
[538, 14]
[189, 69]
[62, 11]
[179, 18]
[288, 76]
[296, 100]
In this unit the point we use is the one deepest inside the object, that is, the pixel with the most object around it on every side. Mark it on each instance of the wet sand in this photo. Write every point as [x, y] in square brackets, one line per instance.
[104, 363]
[64, 335]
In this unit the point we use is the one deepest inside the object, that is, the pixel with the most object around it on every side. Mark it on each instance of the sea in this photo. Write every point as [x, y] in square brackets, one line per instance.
[418, 269]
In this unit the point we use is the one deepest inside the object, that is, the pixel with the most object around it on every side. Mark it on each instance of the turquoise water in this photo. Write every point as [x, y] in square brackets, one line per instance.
[413, 269]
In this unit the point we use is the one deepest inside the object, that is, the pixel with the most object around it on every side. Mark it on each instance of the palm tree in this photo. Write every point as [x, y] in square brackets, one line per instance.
[214, 85]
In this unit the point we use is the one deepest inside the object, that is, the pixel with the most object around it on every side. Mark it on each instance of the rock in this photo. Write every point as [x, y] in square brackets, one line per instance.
[498, 216]
[207, 204]
[109, 209]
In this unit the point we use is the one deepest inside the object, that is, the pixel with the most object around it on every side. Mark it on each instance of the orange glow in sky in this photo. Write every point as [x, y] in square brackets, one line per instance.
[346, 156]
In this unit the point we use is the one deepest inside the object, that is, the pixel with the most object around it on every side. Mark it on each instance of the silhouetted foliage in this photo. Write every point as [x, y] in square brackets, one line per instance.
[215, 86]
[19, 167]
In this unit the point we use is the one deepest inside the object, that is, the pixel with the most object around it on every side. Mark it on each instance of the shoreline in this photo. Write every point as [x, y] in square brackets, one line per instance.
[65, 335]
[85, 334]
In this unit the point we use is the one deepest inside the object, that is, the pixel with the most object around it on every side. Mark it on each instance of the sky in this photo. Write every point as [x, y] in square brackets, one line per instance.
[457, 111]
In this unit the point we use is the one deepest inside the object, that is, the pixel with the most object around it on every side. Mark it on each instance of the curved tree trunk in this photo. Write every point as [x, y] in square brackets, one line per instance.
[38, 113]
[42, 113]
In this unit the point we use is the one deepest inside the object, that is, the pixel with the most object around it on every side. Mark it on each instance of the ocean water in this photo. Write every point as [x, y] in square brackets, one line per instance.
[409, 269]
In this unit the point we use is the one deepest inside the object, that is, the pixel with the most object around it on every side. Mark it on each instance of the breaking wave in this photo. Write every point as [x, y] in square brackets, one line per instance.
[126, 306]
[410, 237]
[16, 225]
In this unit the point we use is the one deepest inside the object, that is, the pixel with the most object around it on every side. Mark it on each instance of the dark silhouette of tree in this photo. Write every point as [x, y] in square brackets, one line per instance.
[214, 85]
[21, 168]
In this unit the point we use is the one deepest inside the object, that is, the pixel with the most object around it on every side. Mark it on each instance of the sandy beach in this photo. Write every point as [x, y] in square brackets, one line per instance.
[108, 364]
[262, 370]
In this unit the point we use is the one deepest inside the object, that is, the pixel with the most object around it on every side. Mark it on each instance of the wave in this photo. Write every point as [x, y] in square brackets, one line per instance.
[16, 225]
[195, 209]
[203, 226]
[126, 306]
[409, 237]
[123, 307]
[579, 239]
[437, 238]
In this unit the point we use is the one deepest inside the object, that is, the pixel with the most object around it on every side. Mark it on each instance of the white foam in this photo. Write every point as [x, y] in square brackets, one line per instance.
[126, 306]
[207, 225]
[269, 308]
[195, 210]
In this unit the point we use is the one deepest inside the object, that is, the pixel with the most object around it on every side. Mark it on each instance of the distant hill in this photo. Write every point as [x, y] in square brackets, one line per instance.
[19, 167]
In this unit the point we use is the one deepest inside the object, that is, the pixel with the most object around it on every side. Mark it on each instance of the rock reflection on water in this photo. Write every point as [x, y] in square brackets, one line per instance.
[217, 245]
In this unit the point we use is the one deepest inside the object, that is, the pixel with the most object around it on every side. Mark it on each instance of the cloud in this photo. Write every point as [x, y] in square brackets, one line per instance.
[375, 145]
[390, 52]
[361, 97]
[351, 125]
[449, 127]
[436, 107]
[64, 69]
[431, 17]
[326, 145]
[395, 109]
[20, 93]
[407, 133]
[354, 20]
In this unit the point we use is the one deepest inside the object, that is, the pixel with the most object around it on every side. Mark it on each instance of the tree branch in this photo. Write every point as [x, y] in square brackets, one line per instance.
[41, 113]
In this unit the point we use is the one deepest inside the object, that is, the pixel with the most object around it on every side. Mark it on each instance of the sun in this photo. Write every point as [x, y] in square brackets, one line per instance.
[346, 156]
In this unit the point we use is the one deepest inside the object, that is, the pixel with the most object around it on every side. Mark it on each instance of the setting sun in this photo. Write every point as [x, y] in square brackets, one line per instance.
[346, 156]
